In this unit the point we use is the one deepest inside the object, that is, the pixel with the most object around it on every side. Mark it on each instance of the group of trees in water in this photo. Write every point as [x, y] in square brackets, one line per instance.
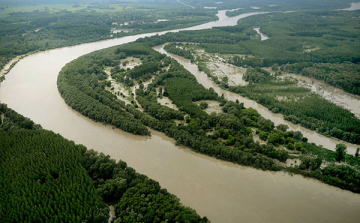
[136, 198]
[295, 45]
[46, 178]
[92, 100]
[226, 136]
[319, 37]
[179, 50]
[299, 105]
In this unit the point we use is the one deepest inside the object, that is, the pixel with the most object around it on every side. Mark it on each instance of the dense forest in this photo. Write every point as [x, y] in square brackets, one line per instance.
[283, 95]
[342, 75]
[301, 107]
[286, 5]
[237, 7]
[42, 176]
[40, 25]
[178, 49]
[318, 44]
[294, 46]
[47, 178]
[27, 28]
[227, 136]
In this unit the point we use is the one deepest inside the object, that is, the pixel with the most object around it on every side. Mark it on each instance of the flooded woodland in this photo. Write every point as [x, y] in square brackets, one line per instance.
[222, 191]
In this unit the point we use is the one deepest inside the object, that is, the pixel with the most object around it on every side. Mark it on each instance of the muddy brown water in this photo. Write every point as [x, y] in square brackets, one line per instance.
[202, 78]
[262, 35]
[353, 6]
[222, 191]
[337, 96]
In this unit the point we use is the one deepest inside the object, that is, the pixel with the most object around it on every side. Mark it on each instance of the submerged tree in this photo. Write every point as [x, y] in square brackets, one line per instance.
[282, 127]
[340, 152]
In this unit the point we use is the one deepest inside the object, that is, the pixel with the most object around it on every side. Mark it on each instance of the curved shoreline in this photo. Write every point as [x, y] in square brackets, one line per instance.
[220, 190]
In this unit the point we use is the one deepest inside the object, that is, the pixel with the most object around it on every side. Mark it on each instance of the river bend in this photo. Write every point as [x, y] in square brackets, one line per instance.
[222, 191]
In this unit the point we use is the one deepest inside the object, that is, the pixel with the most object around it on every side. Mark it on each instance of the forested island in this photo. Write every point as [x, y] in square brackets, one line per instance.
[86, 87]
[132, 87]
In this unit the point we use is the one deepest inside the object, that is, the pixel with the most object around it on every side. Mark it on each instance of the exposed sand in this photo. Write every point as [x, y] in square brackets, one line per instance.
[165, 101]
[111, 213]
[222, 69]
[132, 62]
[219, 67]
[292, 162]
[336, 95]
[119, 88]
[213, 106]
[257, 138]
[308, 49]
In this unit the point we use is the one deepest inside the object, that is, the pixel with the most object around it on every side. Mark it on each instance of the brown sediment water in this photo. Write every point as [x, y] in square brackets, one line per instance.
[7, 66]
[202, 78]
[353, 6]
[337, 96]
[262, 35]
[222, 191]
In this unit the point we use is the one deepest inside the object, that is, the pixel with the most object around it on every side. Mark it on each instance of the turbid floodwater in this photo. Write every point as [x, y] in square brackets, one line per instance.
[222, 191]
[203, 79]
[353, 7]
[337, 96]
[262, 35]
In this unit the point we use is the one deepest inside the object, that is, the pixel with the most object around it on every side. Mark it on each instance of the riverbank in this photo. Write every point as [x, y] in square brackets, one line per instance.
[313, 137]
[223, 191]
[7, 68]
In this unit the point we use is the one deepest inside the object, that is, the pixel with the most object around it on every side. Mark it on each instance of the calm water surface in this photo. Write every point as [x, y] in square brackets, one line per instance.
[353, 6]
[222, 191]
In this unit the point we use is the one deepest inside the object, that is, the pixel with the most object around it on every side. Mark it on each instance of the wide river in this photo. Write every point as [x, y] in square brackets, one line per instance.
[222, 191]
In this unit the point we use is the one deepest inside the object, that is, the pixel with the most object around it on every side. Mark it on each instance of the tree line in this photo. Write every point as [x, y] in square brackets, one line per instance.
[299, 105]
[226, 136]
[345, 75]
[26, 29]
[47, 178]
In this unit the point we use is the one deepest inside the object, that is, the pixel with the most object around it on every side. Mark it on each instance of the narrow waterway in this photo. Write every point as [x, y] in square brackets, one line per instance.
[203, 79]
[222, 191]
[262, 35]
